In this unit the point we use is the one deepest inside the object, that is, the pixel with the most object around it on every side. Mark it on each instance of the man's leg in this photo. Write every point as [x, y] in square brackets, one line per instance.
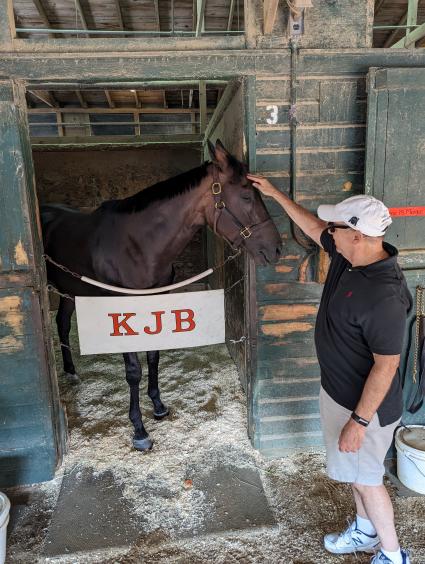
[374, 503]
[359, 504]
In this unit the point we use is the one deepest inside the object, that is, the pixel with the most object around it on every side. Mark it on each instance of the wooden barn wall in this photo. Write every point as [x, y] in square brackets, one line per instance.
[84, 179]
[230, 130]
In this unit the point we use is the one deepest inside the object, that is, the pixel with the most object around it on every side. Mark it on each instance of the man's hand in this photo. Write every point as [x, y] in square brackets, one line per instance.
[264, 185]
[351, 437]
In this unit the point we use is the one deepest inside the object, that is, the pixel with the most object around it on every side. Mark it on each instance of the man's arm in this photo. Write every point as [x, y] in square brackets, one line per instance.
[308, 222]
[376, 387]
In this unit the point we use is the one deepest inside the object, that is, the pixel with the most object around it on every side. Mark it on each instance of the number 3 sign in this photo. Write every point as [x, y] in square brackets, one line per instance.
[274, 113]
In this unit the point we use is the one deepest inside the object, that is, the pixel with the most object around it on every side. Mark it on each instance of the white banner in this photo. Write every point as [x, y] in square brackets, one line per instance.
[150, 323]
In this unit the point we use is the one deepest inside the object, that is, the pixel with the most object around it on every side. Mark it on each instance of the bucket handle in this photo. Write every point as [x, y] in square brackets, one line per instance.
[409, 457]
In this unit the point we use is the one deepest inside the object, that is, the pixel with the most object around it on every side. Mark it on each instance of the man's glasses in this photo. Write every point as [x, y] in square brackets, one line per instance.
[332, 227]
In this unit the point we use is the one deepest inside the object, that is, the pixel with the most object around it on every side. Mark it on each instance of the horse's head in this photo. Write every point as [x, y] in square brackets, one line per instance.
[237, 212]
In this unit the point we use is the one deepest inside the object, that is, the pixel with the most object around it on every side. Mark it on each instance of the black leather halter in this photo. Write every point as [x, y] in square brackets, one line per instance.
[245, 231]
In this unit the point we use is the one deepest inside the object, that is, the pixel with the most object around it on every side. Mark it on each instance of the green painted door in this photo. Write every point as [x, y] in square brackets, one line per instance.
[32, 422]
[395, 172]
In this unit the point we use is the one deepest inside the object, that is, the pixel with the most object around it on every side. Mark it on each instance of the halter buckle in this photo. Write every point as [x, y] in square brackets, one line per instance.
[216, 188]
[245, 233]
[219, 205]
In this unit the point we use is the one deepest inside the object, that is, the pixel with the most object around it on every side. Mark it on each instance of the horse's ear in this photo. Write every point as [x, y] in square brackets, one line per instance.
[221, 155]
[219, 145]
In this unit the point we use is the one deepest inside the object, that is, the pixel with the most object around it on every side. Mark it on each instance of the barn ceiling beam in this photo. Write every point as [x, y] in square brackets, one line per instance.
[378, 6]
[223, 104]
[412, 18]
[129, 41]
[390, 40]
[81, 15]
[147, 85]
[411, 38]
[80, 97]
[127, 110]
[270, 13]
[231, 14]
[72, 70]
[111, 103]
[200, 17]
[45, 96]
[158, 20]
[43, 15]
[119, 14]
[113, 140]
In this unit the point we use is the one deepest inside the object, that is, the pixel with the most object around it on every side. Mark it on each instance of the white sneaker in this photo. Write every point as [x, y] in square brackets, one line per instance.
[380, 558]
[351, 540]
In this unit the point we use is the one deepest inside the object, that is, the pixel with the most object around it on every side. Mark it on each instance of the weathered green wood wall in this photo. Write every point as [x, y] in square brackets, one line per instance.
[31, 440]
[331, 111]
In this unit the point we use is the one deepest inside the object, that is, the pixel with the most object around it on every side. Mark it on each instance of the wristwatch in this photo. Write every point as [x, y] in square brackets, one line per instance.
[359, 419]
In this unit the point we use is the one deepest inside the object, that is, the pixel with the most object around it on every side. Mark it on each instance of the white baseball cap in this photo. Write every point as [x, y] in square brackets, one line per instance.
[362, 213]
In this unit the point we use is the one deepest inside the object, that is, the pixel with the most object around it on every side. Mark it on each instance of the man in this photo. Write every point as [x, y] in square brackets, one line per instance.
[359, 336]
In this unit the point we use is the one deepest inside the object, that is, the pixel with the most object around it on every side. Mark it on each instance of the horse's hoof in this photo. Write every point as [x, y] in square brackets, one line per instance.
[143, 444]
[72, 378]
[161, 414]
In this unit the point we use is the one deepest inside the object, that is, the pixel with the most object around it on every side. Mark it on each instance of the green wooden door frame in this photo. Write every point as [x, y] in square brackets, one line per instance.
[394, 173]
[32, 437]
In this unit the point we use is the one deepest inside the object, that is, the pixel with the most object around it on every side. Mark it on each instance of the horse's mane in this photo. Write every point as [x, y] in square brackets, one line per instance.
[165, 190]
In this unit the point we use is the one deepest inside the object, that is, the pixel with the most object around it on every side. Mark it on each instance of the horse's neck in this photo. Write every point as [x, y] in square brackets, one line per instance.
[176, 221]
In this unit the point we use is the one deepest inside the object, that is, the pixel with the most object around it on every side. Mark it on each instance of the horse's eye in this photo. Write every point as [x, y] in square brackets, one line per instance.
[247, 198]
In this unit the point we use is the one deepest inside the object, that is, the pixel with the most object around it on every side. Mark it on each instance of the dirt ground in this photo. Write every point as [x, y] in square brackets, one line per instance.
[206, 428]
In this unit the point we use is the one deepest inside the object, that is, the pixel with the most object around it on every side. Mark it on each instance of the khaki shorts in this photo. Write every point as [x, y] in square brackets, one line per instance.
[366, 466]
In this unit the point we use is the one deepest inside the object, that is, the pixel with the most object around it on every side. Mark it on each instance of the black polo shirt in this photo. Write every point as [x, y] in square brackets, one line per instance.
[363, 311]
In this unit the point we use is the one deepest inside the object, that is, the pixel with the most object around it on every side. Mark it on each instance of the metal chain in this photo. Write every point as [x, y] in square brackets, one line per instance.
[54, 290]
[234, 284]
[64, 268]
[419, 313]
[241, 340]
[228, 259]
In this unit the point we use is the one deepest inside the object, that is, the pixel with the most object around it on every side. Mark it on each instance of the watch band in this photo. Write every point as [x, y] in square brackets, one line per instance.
[359, 419]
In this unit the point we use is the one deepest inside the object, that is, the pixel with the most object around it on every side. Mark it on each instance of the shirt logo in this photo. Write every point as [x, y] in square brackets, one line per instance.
[349, 294]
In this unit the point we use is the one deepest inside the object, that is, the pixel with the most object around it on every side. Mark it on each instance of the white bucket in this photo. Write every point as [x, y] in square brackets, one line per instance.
[410, 445]
[4, 520]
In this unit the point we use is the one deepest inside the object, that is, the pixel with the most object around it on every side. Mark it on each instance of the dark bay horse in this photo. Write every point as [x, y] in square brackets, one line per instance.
[131, 243]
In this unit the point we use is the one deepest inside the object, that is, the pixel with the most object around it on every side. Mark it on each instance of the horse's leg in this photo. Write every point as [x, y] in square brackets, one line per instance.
[133, 373]
[159, 409]
[63, 321]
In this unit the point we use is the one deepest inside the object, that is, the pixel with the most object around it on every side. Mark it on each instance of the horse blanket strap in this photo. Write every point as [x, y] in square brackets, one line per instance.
[417, 400]
[245, 231]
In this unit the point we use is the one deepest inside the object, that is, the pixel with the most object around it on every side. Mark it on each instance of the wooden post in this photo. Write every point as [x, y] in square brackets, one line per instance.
[270, 12]
[412, 17]
[200, 17]
[203, 105]
[7, 25]
[136, 124]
